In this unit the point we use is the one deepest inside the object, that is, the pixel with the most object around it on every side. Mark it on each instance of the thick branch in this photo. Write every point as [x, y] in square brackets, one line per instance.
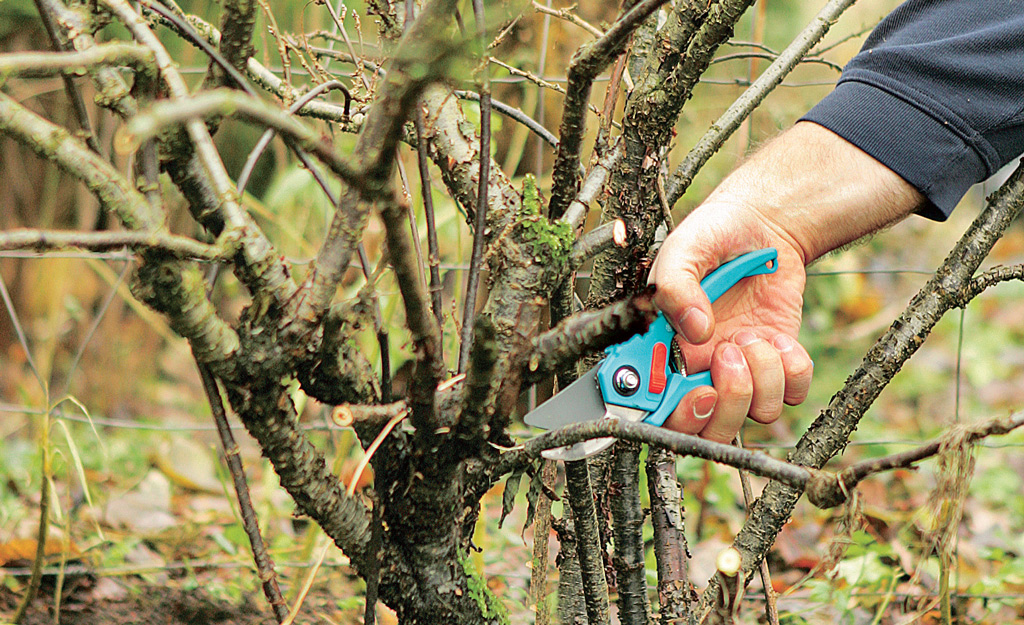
[270, 417]
[586, 65]
[587, 332]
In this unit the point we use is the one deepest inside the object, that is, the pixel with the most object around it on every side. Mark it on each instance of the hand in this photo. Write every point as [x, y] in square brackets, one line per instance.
[806, 193]
[748, 340]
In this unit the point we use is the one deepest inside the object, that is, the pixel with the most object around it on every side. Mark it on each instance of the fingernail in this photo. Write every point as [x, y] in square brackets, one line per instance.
[745, 338]
[732, 356]
[704, 406]
[694, 324]
[784, 343]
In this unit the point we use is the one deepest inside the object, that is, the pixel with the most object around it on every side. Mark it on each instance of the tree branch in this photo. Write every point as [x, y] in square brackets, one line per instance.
[172, 245]
[598, 240]
[627, 532]
[426, 335]
[587, 332]
[151, 122]
[588, 62]
[43, 64]
[744, 105]
[670, 549]
[588, 541]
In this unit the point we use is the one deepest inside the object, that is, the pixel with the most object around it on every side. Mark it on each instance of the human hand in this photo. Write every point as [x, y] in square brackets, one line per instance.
[805, 193]
[748, 340]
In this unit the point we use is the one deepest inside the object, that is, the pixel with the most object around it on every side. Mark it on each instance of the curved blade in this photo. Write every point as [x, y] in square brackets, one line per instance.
[578, 402]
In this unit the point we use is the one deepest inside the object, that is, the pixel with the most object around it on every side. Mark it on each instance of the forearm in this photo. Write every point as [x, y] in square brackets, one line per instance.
[817, 191]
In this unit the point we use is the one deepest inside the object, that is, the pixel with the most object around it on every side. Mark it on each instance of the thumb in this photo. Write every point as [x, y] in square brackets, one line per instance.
[680, 297]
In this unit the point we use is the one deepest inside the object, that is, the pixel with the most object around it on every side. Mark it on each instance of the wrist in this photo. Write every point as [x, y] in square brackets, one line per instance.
[817, 191]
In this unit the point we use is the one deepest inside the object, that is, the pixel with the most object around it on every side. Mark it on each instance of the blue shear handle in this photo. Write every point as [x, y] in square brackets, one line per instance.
[660, 388]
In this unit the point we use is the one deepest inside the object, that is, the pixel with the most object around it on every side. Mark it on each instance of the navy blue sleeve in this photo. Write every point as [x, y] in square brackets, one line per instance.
[936, 94]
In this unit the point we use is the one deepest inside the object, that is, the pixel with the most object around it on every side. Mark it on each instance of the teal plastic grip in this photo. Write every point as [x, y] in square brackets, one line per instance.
[660, 388]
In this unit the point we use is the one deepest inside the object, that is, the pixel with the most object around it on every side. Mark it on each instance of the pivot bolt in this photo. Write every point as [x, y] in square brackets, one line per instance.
[626, 381]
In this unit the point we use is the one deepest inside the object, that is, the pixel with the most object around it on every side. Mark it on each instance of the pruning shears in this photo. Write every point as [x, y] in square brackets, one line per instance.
[636, 380]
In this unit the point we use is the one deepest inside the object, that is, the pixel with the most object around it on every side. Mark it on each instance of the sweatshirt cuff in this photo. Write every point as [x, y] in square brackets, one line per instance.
[939, 157]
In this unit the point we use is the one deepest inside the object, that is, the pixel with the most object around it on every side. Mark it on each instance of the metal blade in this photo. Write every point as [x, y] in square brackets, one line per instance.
[579, 451]
[578, 402]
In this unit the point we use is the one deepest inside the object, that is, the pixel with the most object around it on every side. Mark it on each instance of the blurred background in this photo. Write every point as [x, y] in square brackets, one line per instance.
[140, 498]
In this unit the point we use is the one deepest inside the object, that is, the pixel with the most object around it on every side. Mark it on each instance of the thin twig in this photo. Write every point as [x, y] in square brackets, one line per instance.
[250, 522]
[770, 607]
[516, 115]
[46, 240]
[480, 223]
[268, 135]
[426, 192]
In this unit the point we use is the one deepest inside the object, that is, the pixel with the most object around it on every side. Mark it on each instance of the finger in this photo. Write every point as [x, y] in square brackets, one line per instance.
[798, 366]
[685, 305]
[767, 374]
[694, 412]
[735, 388]
[677, 278]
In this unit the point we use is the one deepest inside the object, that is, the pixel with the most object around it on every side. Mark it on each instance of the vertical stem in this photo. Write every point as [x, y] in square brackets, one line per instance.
[541, 527]
[627, 528]
[588, 541]
[373, 563]
[480, 223]
[43, 530]
[571, 608]
[545, 31]
[433, 253]
[670, 549]
[232, 457]
[770, 608]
